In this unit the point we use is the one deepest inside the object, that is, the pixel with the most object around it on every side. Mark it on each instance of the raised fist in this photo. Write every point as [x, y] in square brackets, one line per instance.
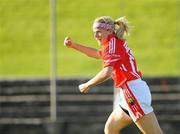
[68, 42]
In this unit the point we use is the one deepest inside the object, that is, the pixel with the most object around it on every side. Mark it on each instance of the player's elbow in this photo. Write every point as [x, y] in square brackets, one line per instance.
[94, 54]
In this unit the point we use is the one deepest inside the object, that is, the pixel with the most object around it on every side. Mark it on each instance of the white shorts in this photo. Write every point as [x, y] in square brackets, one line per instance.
[135, 97]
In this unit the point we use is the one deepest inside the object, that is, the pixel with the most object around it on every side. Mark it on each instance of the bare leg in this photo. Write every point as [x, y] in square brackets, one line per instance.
[149, 124]
[116, 121]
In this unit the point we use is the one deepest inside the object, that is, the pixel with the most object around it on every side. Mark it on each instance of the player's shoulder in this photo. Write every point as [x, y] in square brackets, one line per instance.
[114, 39]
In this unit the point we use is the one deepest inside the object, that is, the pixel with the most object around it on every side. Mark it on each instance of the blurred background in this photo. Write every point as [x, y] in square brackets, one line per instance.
[26, 70]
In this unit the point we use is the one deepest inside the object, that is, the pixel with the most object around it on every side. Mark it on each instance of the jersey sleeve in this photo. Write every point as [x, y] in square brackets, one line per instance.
[110, 60]
[111, 55]
[100, 52]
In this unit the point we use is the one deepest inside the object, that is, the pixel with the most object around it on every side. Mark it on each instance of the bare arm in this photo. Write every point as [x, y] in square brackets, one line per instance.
[102, 76]
[91, 52]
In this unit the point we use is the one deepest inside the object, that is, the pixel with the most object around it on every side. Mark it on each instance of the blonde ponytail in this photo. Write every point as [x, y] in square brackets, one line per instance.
[121, 27]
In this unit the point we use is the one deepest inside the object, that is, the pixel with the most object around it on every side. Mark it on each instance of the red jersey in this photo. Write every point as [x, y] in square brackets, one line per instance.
[117, 54]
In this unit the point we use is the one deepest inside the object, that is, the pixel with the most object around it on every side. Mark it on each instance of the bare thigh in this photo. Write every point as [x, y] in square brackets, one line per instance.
[149, 124]
[116, 121]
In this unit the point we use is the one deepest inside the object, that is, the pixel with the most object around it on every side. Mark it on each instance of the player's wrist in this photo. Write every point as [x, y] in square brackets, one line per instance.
[89, 84]
[73, 45]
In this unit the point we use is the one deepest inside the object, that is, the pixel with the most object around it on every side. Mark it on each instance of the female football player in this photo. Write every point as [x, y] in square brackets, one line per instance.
[120, 64]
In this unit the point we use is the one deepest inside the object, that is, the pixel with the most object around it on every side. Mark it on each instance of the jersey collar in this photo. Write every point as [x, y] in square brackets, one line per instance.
[109, 37]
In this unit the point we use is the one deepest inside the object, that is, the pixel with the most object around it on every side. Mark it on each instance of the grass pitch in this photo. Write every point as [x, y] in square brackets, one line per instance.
[25, 35]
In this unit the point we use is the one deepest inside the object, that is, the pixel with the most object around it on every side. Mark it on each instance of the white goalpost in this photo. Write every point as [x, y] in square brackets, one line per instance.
[53, 62]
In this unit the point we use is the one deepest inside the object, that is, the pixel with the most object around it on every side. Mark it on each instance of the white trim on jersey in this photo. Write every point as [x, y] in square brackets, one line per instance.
[135, 74]
[124, 68]
[112, 45]
[132, 64]
[131, 60]
[107, 61]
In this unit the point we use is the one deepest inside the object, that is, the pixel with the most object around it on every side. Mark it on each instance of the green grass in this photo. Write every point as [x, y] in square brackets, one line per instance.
[25, 36]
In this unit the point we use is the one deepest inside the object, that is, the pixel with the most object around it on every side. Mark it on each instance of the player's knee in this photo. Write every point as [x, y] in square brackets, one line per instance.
[110, 128]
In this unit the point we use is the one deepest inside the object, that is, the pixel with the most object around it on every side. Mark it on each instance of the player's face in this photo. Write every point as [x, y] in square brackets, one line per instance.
[101, 35]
